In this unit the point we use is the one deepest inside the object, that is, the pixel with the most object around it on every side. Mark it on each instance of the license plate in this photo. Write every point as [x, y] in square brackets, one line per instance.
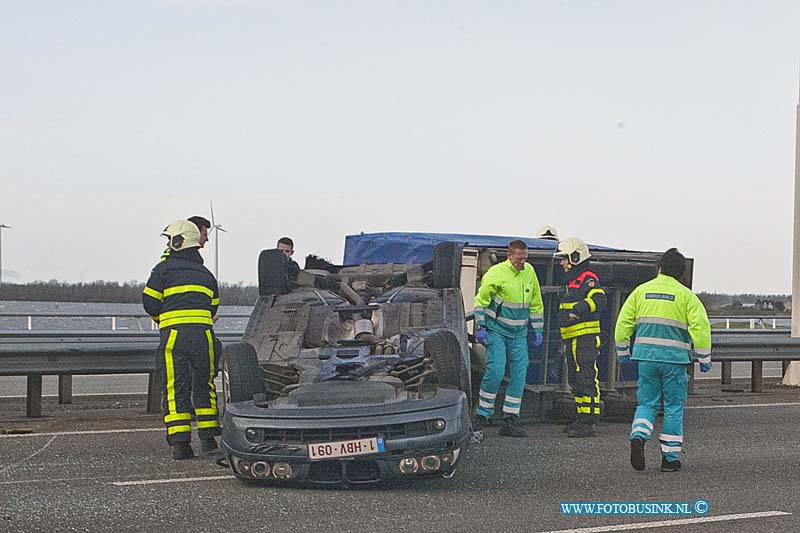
[344, 448]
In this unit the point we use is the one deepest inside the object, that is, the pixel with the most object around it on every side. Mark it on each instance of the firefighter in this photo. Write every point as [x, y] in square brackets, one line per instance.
[666, 318]
[579, 321]
[182, 296]
[547, 233]
[508, 300]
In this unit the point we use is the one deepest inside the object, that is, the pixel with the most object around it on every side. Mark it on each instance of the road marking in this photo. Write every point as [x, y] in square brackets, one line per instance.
[172, 480]
[742, 405]
[87, 432]
[31, 456]
[672, 523]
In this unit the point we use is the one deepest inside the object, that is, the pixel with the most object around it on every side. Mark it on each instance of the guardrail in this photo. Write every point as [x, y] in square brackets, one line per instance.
[66, 353]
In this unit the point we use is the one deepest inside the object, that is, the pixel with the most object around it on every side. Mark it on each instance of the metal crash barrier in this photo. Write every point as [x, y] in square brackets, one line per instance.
[66, 353]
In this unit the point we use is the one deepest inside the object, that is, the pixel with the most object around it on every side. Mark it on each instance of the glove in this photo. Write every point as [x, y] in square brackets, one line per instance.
[537, 338]
[624, 360]
[482, 336]
[705, 367]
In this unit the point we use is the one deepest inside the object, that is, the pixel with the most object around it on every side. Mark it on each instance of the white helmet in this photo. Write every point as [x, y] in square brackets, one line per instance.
[182, 234]
[547, 232]
[573, 249]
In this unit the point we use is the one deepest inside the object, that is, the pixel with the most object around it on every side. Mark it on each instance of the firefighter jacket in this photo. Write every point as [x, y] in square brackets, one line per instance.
[508, 299]
[666, 319]
[181, 291]
[581, 303]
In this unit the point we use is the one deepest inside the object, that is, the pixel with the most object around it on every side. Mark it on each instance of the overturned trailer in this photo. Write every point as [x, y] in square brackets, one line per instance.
[620, 271]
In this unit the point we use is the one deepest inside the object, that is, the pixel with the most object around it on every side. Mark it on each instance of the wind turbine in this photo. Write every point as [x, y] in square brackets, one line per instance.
[2, 227]
[218, 227]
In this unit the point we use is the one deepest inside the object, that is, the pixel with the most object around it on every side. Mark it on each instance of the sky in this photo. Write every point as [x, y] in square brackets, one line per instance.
[633, 124]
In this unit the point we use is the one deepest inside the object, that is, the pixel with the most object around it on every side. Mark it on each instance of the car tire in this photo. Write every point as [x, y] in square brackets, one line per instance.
[447, 265]
[273, 273]
[444, 349]
[241, 376]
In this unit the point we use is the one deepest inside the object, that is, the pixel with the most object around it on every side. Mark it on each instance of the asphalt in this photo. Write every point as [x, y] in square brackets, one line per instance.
[741, 455]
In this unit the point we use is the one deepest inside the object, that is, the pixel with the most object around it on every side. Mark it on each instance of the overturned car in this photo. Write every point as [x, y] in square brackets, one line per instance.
[350, 374]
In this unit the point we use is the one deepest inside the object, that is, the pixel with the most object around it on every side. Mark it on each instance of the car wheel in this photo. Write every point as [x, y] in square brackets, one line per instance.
[273, 273]
[443, 348]
[447, 265]
[241, 376]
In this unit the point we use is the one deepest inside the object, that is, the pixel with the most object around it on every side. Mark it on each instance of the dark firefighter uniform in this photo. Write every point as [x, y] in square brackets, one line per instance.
[579, 321]
[182, 296]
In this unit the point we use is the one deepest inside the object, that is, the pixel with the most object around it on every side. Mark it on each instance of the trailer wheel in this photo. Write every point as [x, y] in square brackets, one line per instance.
[447, 265]
[241, 376]
[443, 348]
[273, 273]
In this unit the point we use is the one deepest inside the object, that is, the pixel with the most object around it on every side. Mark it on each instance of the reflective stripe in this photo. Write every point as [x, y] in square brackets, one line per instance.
[179, 429]
[592, 305]
[704, 360]
[207, 424]
[644, 421]
[567, 305]
[511, 399]
[185, 312]
[214, 301]
[206, 411]
[510, 305]
[623, 352]
[170, 364]
[511, 410]
[180, 289]
[640, 429]
[487, 405]
[578, 399]
[671, 438]
[188, 320]
[587, 399]
[508, 321]
[488, 395]
[665, 448]
[584, 328]
[594, 291]
[597, 410]
[212, 395]
[662, 342]
[176, 417]
[702, 351]
[585, 410]
[153, 294]
[662, 321]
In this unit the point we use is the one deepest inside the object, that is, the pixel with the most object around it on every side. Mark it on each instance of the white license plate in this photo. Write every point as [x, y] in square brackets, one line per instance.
[344, 448]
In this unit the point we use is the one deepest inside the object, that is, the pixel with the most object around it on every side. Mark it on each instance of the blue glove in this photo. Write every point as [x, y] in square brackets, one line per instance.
[624, 360]
[705, 367]
[537, 338]
[482, 336]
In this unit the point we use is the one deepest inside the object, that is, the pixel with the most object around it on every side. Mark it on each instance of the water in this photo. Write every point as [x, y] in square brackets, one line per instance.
[142, 323]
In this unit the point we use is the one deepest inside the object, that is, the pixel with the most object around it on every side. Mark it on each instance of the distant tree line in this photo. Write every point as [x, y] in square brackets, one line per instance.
[108, 292]
[748, 304]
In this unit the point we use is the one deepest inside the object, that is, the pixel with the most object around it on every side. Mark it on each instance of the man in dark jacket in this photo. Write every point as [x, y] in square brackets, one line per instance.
[579, 322]
[182, 296]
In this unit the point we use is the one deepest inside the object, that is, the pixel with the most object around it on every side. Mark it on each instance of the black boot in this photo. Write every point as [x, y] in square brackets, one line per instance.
[637, 453]
[208, 445]
[670, 466]
[182, 450]
[478, 424]
[569, 427]
[511, 429]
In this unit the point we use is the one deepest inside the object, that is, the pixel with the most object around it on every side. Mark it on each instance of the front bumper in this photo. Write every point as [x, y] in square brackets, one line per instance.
[272, 444]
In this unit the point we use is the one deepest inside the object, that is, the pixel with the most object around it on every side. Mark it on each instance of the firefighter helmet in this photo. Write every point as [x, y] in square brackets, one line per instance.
[547, 232]
[574, 250]
[182, 234]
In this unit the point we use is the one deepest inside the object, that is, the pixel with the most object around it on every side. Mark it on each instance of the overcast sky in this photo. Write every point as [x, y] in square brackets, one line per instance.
[634, 124]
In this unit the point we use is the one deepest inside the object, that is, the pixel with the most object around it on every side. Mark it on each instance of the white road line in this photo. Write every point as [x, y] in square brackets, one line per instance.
[31, 456]
[734, 406]
[172, 480]
[672, 523]
[87, 432]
